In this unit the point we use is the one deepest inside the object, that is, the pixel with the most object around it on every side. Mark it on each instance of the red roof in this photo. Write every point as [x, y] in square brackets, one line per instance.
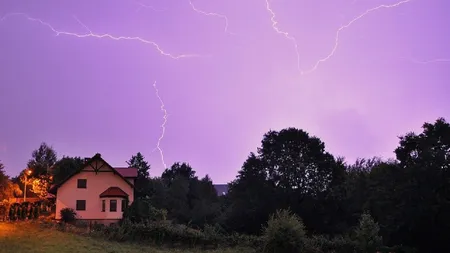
[127, 172]
[113, 192]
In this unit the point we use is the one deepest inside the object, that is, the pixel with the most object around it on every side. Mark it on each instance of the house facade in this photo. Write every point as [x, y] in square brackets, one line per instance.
[97, 191]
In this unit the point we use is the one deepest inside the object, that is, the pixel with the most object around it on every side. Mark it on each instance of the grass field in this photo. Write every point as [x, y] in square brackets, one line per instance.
[30, 238]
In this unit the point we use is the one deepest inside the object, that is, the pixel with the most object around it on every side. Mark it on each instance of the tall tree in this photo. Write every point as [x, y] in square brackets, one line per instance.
[65, 167]
[8, 189]
[3, 177]
[142, 181]
[296, 160]
[424, 160]
[178, 202]
[291, 170]
[138, 161]
[157, 192]
[251, 198]
[203, 201]
[42, 160]
[178, 169]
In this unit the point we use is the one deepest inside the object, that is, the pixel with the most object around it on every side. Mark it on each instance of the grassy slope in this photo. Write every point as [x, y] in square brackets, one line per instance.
[29, 238]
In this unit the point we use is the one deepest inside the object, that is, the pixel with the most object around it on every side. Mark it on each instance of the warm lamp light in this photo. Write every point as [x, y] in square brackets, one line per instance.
[27, 172]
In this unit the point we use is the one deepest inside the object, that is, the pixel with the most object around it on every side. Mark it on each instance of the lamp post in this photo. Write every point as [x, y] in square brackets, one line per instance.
[26, 173]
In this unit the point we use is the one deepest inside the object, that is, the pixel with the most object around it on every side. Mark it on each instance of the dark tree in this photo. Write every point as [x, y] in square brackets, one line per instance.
[424, 160]
[142, 180]
[178, 169]
[4, 181]
[203, 201]
[43, 159]
[138, 161]
[178, 202]
[157, 192]
[65, 167]
[251, 198]
[292, 170]
[296, 161]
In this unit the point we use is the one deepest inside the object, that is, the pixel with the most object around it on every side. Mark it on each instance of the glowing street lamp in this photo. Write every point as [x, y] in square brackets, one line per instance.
[26, 173]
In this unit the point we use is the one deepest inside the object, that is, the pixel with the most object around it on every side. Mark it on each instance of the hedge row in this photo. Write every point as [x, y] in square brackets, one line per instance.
[23, 211]
[166, 233]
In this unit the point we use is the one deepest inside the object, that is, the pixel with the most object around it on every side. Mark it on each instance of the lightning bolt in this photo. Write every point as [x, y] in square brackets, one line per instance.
[285, 34]
[145, 6]
[163, 126]
[225, 18]
[338, 32]
[101, 36]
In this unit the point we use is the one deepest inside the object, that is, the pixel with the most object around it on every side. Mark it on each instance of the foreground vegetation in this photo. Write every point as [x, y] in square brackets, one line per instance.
[26, 237]
[406, 198]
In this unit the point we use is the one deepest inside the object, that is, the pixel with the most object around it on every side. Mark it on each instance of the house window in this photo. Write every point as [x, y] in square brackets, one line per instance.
[82, 183]
[113, 205]
[103, 205]
[124, 204]
[81, 205]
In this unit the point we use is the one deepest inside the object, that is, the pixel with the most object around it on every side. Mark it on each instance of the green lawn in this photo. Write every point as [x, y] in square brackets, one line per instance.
[30, 238]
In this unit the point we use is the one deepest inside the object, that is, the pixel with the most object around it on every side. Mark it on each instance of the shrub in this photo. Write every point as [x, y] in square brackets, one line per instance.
[212, 235]
[4, 209]
[142, 210]
[36, 211]
[397, 249]
[14, 211]
[322, 244]
[30, 212]
[250, 241]
[68, 215]
[285, 233]
[366, 234]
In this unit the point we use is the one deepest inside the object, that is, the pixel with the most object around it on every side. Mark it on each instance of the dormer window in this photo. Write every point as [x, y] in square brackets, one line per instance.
[82, 183]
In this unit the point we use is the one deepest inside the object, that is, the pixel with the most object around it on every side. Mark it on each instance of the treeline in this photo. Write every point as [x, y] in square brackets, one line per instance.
[408, 197]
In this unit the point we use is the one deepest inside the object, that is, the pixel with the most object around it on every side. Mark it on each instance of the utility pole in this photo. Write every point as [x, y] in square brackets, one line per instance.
[25, 174]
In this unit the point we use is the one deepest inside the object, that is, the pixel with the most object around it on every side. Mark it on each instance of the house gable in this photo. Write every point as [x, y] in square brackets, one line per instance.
[97, 165]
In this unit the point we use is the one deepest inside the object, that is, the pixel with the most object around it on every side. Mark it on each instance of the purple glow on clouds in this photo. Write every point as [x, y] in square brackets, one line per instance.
[388, 75]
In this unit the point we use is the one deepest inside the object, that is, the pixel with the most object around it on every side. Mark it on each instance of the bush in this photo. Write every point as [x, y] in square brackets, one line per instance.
[250, 241]
[366, 234]
[36, 211]
[24, 210]
[160, 233]
[14, 211]
[285, 233]
[68, 215]
[31, 211]
[322, 244]
[141, 210]
[397, 249]
[4, 209]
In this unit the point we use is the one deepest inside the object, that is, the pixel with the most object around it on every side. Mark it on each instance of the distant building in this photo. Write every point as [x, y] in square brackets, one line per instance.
[221, 189]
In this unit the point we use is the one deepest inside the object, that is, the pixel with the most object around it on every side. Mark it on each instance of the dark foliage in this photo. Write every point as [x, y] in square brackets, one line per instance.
[141, 184]
[68, 215]
[65, 167]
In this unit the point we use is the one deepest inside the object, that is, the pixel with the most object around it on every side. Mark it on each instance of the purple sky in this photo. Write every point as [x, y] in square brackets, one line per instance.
[89, 94]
